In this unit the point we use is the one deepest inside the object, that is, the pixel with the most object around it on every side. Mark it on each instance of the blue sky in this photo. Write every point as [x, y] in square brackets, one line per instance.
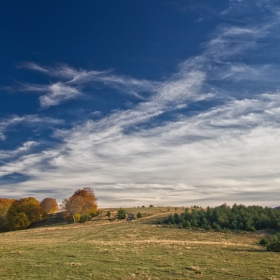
[147, 102]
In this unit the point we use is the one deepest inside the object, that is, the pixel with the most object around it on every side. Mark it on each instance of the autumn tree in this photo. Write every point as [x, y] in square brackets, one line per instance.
[82, 202]
[22, 213]
[48, 206]
[5, 204]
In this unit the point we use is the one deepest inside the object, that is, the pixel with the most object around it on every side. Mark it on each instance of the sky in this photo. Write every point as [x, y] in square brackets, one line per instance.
[163, 102]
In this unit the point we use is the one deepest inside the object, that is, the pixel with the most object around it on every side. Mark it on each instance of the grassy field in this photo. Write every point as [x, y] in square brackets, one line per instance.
[133, 250]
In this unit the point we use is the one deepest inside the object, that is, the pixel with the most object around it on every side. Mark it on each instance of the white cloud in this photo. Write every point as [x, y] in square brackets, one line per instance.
[25, 148]
[72, 82]
[224, 152]
[58, 93]
[27, 120]
[61, 71]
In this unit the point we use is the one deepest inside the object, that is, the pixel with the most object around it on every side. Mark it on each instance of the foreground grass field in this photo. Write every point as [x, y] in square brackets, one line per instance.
[133, 250]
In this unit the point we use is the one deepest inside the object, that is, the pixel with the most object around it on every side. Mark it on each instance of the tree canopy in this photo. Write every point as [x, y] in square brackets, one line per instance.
[22, 213]
[237, 217]
[5, 205]
[82, 202]
[49, 205]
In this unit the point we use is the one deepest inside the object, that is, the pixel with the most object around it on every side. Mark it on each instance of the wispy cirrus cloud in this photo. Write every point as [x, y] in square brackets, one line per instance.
[62, 71]
[54, 94]
[224, 150]
[27, 121]
[218, 143]
[25, 148]
[72, 81]
[58, 93]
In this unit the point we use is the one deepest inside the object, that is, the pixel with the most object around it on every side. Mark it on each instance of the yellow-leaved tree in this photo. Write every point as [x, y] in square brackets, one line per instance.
[48, 206]
[22, 213]
[5, 204]
[82, 202]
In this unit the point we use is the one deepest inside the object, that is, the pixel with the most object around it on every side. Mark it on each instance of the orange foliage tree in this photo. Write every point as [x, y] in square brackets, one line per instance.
[82, 202]
[22, 213]
[48, 206]
[5, 204]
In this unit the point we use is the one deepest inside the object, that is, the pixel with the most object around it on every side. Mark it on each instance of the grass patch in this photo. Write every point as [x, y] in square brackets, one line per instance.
[133, 250]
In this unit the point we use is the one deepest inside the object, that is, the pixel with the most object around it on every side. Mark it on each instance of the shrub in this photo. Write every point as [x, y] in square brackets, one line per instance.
[121, 214]
[93, 214]
[273, 243]
[187, 225]
[263, 241]
[98, 212]
[77, 217]
[84, 218]
[250, 228]
[139, 215]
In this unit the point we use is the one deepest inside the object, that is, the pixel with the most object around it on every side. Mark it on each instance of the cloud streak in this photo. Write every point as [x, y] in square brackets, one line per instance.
[72, 81]
[26, 121]
[209, 133]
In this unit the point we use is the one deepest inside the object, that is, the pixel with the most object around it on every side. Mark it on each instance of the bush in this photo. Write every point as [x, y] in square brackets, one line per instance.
[273, 243]
[139, 215]
[95, 214]
[77, 217]
[84, 218]
[121, 214]
[98, 212]
[263, 241]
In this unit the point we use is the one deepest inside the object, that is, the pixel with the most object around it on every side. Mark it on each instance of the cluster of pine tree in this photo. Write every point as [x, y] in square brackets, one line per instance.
[237, 217]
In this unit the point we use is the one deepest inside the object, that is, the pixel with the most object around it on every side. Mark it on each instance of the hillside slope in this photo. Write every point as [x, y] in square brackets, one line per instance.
[133, 250]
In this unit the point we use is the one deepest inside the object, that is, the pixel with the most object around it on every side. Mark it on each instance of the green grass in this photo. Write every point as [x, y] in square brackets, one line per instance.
[136, 250]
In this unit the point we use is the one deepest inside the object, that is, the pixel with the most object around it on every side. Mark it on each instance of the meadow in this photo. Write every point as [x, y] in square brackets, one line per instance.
[141, 249]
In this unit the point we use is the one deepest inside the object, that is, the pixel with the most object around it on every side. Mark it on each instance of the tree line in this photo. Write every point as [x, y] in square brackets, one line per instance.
[20, 213]
[224, 217]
